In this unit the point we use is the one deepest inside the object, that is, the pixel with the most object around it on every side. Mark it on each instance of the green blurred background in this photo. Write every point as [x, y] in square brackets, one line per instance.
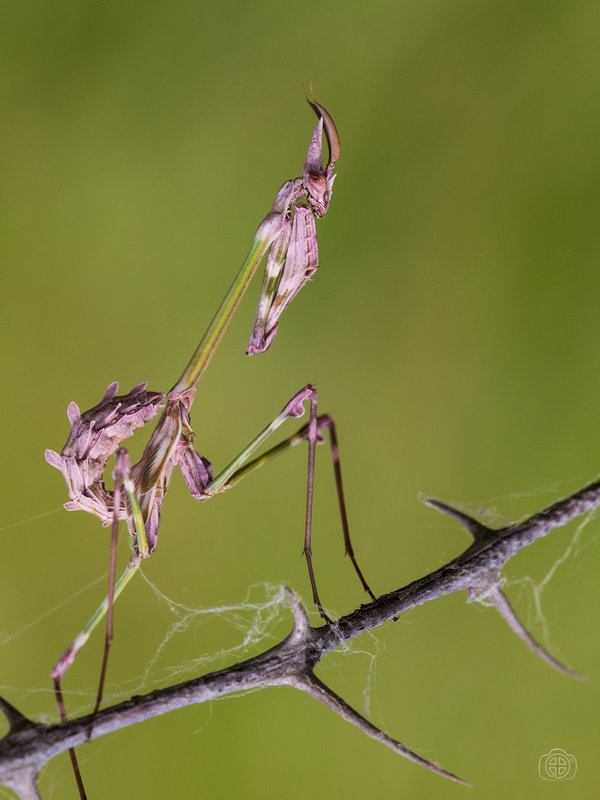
[453, 333]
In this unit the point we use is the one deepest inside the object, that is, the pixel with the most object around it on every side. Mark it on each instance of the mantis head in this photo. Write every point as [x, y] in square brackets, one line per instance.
[289, 228]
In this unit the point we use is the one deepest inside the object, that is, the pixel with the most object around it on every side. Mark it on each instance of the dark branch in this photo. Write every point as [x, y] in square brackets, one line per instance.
[29, 745]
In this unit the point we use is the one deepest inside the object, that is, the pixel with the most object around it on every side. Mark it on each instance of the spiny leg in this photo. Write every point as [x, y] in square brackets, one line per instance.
[67, 658]
[111, 588]
[310, 484]
[106, 607]
[65, 661]
[122, 478]
[58, 672]
[324, 421]
[109, 629]
[60, 669]
[235, 472]
[294, 408]
[327, 422]
[72, 755]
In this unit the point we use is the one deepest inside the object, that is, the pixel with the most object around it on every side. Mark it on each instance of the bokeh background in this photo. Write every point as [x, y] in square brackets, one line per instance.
[453, 332]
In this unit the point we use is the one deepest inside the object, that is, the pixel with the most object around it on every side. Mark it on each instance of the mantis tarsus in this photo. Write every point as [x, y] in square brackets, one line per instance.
[287, 235]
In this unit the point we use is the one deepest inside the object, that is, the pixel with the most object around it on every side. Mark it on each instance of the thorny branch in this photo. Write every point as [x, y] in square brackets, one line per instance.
[29, 745]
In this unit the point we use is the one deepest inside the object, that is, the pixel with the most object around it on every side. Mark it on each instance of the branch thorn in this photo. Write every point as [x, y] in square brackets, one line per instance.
[479, 531]
[302, 627]
[16, 720]
[321, 692]
[488, 585]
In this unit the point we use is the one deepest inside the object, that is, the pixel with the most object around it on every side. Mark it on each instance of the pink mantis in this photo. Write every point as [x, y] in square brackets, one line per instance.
[287, 236]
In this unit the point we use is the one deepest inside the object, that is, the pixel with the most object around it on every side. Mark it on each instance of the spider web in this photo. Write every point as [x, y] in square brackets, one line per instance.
[263, 617]
[534, 618]
[259, 620]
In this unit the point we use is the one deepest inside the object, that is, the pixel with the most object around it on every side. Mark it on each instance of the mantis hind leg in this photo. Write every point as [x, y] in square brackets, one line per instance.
[311, 432]
[105, 609]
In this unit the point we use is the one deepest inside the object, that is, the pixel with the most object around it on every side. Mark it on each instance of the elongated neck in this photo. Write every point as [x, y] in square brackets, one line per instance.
[188, 382]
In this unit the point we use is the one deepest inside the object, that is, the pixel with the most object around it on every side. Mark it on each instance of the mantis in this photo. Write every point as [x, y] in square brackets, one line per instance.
[287, 236]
